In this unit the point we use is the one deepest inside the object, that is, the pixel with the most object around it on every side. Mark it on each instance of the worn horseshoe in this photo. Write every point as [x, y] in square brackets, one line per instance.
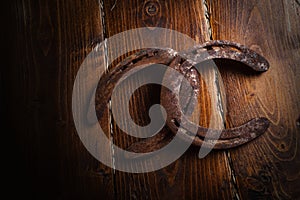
[228, 138]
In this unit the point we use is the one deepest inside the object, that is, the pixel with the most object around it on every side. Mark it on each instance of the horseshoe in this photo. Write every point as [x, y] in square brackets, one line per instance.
[176, 116]
[228, 138]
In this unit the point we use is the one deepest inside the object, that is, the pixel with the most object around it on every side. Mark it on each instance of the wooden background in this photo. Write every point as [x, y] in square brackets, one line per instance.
[50, 39]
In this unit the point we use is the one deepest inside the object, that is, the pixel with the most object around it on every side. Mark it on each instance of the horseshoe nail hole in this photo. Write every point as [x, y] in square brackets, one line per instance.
[175, 122]
[152, 8]
[234, 49]
[282, 146]
[209, 48]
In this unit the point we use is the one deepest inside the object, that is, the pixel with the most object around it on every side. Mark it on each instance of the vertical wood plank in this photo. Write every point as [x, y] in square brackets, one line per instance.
[52, 39]
[189, 177]
[267, 168]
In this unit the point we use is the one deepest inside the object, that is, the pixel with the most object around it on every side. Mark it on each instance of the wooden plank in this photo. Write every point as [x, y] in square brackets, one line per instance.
[52, 39]
[189, 177]
[269, 167]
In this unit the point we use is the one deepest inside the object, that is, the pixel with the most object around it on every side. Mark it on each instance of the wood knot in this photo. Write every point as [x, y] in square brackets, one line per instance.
[152, 8]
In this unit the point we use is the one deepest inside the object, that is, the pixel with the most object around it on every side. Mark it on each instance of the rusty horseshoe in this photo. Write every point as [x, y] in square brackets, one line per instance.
[176, 116]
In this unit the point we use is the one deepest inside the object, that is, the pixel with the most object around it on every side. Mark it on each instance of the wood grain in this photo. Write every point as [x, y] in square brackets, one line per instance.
[189, 177]
[52, 39]
[267, 168]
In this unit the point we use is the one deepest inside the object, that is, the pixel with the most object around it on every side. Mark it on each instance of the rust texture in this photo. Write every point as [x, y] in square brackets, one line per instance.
[177, 115]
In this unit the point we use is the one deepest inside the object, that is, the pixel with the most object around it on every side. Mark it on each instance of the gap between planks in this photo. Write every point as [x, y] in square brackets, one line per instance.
[111, 133]
[206, 8]
[234, 186]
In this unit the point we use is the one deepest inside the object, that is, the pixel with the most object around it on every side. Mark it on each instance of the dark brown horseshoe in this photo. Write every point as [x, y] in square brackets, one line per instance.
[185, 65]
[227, 138]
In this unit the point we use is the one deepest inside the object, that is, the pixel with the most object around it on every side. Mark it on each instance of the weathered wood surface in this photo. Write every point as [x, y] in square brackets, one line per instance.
[269, 167]
[52, 38]
[189, 177]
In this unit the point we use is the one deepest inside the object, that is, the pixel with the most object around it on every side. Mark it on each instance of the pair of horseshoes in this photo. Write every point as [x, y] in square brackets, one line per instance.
[227, 138]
